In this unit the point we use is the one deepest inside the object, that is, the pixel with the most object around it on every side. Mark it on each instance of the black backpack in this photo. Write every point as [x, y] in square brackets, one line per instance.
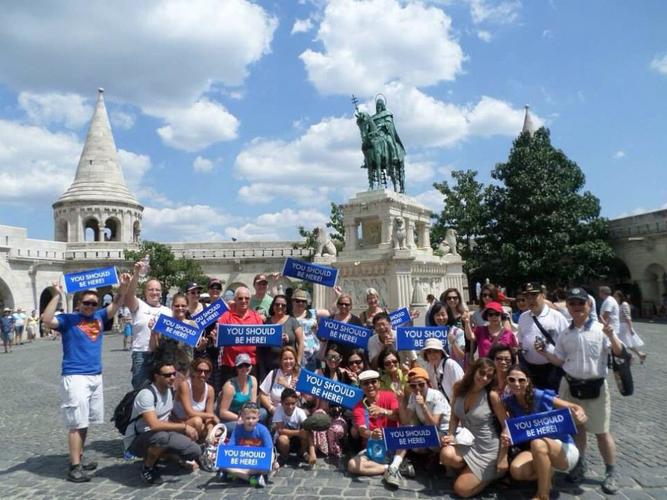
[122, 414]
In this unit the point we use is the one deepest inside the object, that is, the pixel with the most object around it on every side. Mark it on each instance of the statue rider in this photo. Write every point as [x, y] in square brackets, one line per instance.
[384, 121]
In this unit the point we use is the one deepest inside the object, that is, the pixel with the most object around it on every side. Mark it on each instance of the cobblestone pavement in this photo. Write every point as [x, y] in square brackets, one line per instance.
[33, 453]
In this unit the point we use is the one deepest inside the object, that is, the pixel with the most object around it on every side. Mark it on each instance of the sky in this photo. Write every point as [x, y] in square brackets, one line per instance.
[233, 119]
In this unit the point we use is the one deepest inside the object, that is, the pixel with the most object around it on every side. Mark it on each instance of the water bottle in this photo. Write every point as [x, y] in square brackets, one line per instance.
[145, 266]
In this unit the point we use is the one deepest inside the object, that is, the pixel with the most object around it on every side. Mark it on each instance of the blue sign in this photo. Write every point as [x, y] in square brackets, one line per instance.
[93, 278]
[412, 338]
[410, 437]
[399, 317]
[210, 314]
[329, 390]
[539, 425]
[336, 331]
[307, 271]
[177, 330]
[263, 335]
[244, 457]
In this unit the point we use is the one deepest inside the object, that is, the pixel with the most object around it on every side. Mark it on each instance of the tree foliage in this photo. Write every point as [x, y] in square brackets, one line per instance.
[535, 222]
[336, 223]
[166, 268]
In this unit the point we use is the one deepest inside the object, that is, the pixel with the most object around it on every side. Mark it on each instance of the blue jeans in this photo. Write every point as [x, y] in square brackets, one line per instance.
[141, 368]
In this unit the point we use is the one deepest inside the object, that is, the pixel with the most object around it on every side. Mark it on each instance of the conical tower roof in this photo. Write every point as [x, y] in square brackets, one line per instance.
[99, 176]
[528, 125]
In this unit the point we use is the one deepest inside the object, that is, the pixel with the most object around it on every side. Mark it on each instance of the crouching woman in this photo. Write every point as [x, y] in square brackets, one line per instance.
[541, 456]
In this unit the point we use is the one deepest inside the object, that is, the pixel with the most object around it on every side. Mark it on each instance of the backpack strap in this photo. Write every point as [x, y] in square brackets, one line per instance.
[546, 334]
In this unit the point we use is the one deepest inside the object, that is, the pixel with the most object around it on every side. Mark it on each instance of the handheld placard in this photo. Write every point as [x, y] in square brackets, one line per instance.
[92, 278]
[308, 271]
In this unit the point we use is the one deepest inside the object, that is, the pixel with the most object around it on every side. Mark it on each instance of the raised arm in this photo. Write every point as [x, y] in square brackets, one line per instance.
[48, 316]
[131, 300]
[119, 298]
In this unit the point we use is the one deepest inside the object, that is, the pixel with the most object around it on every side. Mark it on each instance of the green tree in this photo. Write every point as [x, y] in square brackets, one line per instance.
[541, 224]
[165, 267]
[465, 211]
[336, 223]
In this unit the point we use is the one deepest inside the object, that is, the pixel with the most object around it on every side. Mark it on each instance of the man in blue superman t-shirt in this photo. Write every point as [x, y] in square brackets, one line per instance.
[81, 382]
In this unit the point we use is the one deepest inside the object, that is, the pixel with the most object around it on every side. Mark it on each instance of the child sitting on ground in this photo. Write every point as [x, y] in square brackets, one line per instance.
[250, 433]
[289, 436]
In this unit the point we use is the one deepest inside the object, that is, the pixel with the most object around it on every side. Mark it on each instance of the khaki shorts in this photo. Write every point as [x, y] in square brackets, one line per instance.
[597, 410]
[83, 400]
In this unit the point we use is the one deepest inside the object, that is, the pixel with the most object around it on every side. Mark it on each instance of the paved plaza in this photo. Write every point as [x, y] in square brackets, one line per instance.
[33, 458]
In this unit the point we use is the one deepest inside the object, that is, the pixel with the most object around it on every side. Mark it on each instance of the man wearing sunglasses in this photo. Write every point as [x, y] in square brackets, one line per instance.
[81, 381]
[150, 434]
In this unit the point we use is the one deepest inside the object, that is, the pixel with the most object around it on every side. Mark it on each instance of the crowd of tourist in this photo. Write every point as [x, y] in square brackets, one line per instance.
[489, 366]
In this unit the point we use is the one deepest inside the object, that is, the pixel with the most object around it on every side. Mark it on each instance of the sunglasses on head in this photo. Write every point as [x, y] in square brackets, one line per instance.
[90, 303]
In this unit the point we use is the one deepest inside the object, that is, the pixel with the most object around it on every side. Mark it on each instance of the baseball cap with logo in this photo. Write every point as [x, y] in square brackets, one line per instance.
[533, 287]
[577, 293]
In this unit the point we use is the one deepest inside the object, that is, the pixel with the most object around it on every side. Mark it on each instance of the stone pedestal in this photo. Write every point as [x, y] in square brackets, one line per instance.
[387, 247]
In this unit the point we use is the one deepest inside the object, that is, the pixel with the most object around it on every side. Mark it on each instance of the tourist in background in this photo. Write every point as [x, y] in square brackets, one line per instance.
[261, 300]
[307, 318]
[32, 325]
[374, 307]
[627, 332]
[268, 357]
[19, 325]
[493, 332]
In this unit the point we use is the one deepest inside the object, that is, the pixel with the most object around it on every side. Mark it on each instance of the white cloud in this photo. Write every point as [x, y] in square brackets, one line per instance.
[493, 11]
[134, 168]
[159, 53]
[261, 193]
[431, 199]
[28, 153]
[659, 64]
[495, 117]
[280, 225]
[198, 126]
[484, 36]
[69, 109]
[418, 171]
[202, 165]
[366, 44]
[302, 26]
[185, 223]
[619, 154]
[328, 154]
[122, 120]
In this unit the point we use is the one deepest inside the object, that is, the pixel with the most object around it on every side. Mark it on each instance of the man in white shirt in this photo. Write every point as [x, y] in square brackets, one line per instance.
[539, 324]
[609, 310]
[144, 315]
[385, 336]
[582, 350]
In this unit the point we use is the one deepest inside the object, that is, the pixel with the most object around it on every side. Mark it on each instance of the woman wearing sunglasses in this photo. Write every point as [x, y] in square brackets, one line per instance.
[355, 364]
[504, 358]
[541, 456]
[394, 378]
[237, 391]
[307, 319]
[194, 399]
[344, 315]
[330, 442]
[493, 332]
[292, 336]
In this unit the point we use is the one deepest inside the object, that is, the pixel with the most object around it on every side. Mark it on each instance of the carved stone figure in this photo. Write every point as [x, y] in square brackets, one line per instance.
[324, 244]
[448, 245]
[399, 233]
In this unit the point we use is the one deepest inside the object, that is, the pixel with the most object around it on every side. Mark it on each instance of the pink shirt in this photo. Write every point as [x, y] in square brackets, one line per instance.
[485, 342]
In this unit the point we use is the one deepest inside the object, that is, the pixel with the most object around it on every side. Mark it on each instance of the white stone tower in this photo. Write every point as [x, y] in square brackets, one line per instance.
[98, 207]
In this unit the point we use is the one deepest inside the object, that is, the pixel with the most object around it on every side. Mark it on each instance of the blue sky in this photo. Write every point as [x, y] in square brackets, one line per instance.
[233, 118]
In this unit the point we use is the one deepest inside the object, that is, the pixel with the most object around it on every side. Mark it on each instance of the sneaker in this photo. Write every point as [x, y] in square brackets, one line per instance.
[610, 484]
[392, 477]
[576, 475]
[76, 474]
[151, 475]
[407, 469]
[257, 481]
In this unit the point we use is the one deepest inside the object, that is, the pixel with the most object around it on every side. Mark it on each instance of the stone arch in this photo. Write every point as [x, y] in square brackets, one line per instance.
[655, 283]
[44, 298]
[6, 297]
[112, 229]
[136, 232]
[91, 229]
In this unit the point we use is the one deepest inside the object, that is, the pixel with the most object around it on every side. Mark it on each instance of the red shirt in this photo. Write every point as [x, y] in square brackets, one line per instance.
[361, 416]
[229, 353]
[484, 341]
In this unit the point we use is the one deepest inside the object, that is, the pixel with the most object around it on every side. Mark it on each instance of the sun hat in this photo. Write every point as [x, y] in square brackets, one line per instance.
[368, 375]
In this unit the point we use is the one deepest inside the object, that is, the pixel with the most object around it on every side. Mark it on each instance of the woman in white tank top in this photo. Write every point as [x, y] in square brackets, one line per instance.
[194, 400]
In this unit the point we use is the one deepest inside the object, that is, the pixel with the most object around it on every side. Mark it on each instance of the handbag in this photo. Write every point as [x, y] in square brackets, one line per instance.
[376, 450]
[584, 389]
[622, 373]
